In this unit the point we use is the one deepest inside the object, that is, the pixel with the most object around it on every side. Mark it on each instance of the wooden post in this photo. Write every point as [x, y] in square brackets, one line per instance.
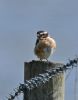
[52, 90]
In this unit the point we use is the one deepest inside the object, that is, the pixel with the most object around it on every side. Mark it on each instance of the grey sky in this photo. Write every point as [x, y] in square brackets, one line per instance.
[19, 22]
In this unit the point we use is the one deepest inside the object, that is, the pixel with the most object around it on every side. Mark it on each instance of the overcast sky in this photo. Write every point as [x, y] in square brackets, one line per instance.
[19, 22]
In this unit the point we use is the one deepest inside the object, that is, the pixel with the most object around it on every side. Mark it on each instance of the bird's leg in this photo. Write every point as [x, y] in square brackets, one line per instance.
[47, 60]
[40, 59]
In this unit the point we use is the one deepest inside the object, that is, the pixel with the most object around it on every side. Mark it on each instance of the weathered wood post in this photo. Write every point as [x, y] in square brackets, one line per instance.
[52, 90]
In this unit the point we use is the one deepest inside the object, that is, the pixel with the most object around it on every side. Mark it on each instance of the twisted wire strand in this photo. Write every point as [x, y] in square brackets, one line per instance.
[41, 79]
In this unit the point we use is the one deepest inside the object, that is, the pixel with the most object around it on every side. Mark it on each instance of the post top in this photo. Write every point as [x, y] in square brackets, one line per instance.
[46, 63]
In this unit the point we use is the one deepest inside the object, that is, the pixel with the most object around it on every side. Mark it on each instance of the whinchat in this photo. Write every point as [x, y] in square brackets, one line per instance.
[44, 45]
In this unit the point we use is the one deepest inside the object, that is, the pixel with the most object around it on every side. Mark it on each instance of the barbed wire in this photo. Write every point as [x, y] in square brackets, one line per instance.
[41, 79]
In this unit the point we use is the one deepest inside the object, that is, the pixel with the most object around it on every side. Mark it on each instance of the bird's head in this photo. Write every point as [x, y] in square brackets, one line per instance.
[42, 34]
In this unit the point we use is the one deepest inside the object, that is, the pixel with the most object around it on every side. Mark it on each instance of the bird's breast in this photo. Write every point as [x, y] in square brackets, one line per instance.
[44, 47]
[43, 53]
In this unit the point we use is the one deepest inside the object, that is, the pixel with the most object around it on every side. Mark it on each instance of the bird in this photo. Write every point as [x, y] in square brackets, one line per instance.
[44, 45]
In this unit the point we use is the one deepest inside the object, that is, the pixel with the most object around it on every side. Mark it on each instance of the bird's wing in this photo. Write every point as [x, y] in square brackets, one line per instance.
[51, 42]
